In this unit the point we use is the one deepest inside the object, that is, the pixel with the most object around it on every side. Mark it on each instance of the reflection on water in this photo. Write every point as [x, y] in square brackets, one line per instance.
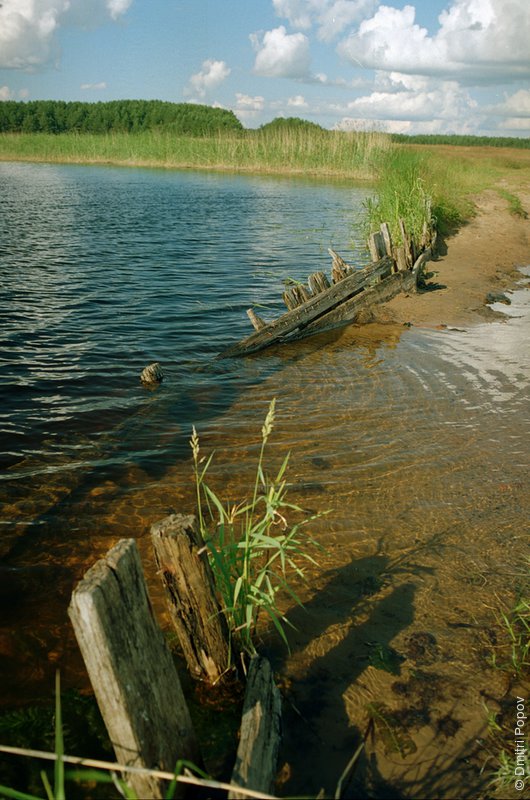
[415, 440]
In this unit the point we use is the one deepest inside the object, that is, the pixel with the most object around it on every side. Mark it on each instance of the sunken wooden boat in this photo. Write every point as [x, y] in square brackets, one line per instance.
[325, 304]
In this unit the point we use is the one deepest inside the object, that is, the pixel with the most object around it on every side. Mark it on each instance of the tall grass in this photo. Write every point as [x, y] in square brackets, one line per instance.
[407, 178]
[313, 152]
[253, 545]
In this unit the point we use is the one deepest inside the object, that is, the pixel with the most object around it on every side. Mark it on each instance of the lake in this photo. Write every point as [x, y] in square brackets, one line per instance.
[416, 441]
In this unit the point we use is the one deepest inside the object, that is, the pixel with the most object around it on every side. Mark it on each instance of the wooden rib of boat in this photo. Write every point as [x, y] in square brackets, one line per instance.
[322, 305]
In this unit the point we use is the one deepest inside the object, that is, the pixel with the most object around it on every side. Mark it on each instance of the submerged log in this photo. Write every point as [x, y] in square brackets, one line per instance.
[131, 669]
[257, 754]
[152, 373]
[315, 307]
[196, 615]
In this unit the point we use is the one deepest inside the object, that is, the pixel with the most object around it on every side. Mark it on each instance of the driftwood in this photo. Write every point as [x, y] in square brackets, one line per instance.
[182, 561]
[257, 754]
[131, 669]
[315, 307]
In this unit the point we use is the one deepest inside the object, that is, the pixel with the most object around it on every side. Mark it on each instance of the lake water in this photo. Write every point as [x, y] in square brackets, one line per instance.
[415, 440]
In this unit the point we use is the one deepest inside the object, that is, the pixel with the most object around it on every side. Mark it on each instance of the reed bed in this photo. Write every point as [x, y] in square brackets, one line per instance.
[319, 152]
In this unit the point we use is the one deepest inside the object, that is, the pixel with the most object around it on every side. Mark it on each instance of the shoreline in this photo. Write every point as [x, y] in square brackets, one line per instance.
[483, 256]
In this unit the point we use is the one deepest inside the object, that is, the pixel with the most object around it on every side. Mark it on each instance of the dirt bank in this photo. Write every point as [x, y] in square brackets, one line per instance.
[482, 257]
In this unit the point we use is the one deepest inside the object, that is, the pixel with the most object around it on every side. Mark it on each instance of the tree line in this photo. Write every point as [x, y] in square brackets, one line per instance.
[130, 116]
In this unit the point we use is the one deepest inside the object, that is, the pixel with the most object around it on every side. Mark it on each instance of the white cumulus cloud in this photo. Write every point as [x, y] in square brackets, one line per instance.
[330, 16]
[210, 76]
[298, 101]
[29, 28]
[247, 102]
[516, 105]
[93, 86]
[280, 54]
[478, 41]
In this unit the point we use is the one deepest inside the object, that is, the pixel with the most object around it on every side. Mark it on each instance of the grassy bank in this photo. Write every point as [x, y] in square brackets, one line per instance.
[411, 181]
[290, 151]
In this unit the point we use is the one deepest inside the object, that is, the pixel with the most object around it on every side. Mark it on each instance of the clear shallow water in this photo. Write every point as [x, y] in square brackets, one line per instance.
[417, 442]
[106, 270]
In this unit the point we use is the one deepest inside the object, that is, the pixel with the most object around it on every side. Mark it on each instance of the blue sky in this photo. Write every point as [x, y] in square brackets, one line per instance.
[434, 66]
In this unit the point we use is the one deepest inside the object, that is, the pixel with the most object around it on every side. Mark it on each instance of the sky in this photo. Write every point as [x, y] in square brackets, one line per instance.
[428, 66]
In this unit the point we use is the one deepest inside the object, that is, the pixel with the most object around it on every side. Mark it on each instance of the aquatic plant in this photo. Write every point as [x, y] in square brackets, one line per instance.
[253, 546]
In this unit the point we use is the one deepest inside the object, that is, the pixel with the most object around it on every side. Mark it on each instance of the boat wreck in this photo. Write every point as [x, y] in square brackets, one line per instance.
[325, 304]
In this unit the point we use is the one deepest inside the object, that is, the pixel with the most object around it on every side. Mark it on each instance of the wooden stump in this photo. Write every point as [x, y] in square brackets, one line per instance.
[318, 282]
[152, 374]
[387, 239]
[376, 245]
[257, 322]
[257, 755]
[200, 624]
[131, 669]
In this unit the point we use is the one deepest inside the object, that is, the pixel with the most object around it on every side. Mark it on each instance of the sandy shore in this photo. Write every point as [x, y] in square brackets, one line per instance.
[482, 257]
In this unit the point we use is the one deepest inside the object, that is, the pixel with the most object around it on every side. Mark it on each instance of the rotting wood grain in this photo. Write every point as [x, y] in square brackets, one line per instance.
[132, 672]
[260, 736]
[182, 562]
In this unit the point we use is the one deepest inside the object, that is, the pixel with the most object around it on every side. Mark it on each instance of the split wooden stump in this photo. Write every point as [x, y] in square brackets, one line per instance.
[133, 674]
[182, 561]
[260, 736]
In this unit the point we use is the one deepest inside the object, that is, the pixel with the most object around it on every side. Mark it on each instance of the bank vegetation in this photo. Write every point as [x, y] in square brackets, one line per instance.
[416, 179]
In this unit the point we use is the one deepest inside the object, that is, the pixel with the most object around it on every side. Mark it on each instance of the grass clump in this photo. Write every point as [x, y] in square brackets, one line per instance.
[252, 545]
[401, 194]
[514, 204]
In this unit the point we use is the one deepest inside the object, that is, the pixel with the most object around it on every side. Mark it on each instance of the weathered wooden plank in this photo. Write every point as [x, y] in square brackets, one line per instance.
[387, 238]
[376, 246]
[257, 754]
[306, 313]
[196, 615]
[257, 322]
[347, 312]
[419, 265]
[131, 669]
[406, 244]
[290, 300]
[318, 282]
[339, 268]
[401, 258]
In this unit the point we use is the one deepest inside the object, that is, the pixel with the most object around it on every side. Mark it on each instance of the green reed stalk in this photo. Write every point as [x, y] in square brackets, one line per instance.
[253, 547]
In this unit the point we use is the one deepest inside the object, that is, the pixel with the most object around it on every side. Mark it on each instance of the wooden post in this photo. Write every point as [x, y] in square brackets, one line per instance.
[401, 258]
[318, 282]
[406, 244]
[289, 299]
[339, 268]
[131, 669]
[152, 374]
[257, 754]
[200, 624]
[387, 238]
[376, 245]
[257, 322]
